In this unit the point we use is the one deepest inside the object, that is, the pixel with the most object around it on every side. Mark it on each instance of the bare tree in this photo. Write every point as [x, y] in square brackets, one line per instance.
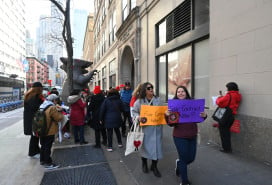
[67, 37]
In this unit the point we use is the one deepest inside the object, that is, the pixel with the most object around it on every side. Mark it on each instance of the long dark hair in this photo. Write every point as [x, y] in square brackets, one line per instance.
[186, 91]
[142, 94]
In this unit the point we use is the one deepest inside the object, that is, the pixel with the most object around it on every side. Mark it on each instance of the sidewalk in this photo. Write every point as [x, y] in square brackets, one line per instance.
[85, 165]
[211, 167]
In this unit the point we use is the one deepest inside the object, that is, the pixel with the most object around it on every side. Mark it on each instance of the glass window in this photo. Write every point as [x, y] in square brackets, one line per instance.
[162, 78]
[132, 4]
[179, 70]
[162, 33]
[125, 9]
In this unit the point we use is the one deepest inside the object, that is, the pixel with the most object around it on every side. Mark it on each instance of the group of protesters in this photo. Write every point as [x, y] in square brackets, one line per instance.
[108, 112]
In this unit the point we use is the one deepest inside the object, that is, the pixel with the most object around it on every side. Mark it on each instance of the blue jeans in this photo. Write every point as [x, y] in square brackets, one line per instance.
[187, 151]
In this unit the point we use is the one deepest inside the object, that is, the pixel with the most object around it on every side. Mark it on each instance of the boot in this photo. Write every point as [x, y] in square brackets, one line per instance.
[144, 165]
[155, 169]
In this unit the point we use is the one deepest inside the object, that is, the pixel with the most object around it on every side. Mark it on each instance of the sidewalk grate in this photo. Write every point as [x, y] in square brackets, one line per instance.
[79, 155]
[80, 165]
[99, 174]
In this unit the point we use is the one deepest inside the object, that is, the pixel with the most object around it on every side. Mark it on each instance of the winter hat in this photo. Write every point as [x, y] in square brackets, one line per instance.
[127, 83]
[52, 97]
[117, 88]
[97, 90]
[37, 84]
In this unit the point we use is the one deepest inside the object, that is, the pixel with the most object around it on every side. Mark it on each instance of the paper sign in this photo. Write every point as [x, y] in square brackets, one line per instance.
[189, 110]
[152, 115]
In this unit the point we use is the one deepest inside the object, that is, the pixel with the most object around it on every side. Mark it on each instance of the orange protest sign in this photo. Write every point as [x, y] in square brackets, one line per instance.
[152, 115]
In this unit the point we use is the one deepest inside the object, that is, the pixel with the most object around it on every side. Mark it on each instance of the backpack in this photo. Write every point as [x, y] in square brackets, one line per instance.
[39, 125]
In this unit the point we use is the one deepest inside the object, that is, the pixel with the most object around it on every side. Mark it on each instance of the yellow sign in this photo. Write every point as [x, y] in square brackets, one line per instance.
[152, 115]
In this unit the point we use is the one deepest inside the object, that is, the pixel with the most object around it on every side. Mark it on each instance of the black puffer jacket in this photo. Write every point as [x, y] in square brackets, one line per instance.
[93, 110]
[30, 107]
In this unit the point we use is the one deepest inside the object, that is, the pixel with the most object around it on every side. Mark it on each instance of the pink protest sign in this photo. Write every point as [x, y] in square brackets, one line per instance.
[189, 110]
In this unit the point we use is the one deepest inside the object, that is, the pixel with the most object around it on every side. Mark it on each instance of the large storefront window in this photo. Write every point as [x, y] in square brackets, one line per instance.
[179, 70]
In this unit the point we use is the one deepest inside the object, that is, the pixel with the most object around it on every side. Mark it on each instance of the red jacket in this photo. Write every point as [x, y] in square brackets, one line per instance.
[236, 98]
[77, 113]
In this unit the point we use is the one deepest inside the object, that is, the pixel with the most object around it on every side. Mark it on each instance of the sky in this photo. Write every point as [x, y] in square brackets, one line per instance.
[35, 8]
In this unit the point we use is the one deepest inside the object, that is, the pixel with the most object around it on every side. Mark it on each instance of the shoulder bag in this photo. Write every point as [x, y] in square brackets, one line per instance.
[224, 115]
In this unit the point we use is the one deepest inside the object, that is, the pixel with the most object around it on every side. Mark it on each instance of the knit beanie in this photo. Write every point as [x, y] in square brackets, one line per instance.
[97, 90]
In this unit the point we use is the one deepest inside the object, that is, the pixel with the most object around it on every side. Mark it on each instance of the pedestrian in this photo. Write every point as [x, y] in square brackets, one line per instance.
[135, 95]
[93, 111]
[77, 115]
[125, 95]
[185, 139]
[232, 98]
[111, 117]
[152, 143]
[53, 116]
[32, 101]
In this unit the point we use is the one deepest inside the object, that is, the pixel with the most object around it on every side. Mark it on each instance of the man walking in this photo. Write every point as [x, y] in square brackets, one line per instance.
[125, 95]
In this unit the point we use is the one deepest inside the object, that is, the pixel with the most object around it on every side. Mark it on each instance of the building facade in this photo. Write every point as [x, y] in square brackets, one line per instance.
[38, 71]
[201, 44]
[12, 47]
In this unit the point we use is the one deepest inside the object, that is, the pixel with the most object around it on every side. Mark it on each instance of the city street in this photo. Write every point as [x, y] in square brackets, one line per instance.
[211, 167]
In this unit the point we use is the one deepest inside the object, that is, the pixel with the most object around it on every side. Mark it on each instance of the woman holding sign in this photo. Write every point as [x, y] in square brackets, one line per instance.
[152, 143]
[185, 138]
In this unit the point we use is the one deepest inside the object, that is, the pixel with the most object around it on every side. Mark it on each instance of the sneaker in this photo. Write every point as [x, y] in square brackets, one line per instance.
[36, 156]
[50, 166]
[109, 149]
[176, 168]
[120, 145]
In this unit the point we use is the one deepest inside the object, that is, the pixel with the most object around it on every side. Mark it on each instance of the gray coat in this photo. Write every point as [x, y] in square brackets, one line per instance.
[152, 144]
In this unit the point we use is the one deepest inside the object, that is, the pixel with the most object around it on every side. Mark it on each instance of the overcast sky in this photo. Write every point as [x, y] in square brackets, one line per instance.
[35, 8]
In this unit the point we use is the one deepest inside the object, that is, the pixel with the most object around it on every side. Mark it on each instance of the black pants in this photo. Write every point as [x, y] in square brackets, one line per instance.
[98, 133]
[46, 145]
[33, 146]
[225, 137]
[110, 133]
[126, 116]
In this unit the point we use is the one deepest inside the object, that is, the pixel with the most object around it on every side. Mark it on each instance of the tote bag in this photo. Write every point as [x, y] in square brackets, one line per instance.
[223, 115]
[134, 139]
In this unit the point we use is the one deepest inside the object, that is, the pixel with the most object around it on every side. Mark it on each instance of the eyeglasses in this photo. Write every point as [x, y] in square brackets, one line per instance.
[149, 88]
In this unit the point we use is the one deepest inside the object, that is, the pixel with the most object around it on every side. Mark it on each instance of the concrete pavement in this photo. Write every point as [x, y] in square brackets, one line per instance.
[211, 167]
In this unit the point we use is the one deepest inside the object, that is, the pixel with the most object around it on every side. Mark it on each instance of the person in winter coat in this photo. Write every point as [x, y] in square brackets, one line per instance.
[185, 139]
[54, 115]
[93, 110]
[152, 143]
[233, 99]
[111, 116]
[77, 115]
[125, 95]
[32, 101]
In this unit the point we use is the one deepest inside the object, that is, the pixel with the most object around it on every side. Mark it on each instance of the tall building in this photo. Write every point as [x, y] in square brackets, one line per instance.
[50, 45]
[88, 44]
[79, 20]
[12, 46]
[29, 44]
[200, 44]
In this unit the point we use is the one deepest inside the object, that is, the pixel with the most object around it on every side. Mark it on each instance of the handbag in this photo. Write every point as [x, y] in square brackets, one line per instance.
[235, 127]
[134, 139]
[223, 115]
